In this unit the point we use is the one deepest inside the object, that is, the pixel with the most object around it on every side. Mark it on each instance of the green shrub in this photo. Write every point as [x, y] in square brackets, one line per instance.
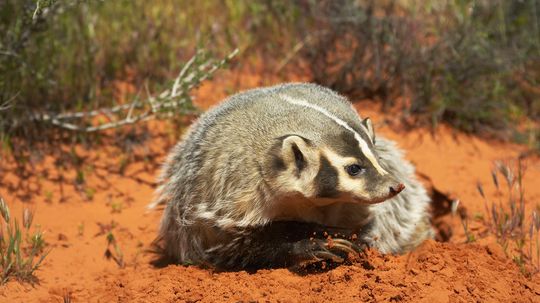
[473, 64]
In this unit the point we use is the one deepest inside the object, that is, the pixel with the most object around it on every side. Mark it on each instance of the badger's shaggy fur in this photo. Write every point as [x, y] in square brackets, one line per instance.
[256, 176]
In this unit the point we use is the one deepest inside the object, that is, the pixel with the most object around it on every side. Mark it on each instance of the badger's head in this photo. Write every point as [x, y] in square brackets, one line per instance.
[336, 167]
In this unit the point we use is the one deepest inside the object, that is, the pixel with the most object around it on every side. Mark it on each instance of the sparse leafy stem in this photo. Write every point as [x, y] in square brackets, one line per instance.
[464, 221]
[48, 196]
[80, 178]
[89, 193]
[470, 236]
[80, 229]
[17, 260]
[124, 160]
[116, 253]
[506, 220]
[116, 207]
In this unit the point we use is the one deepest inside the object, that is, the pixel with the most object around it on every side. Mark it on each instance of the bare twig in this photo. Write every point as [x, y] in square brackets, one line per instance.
[8, 53]
[41, 5]
[297, 48]
[8, 103]
[5, 106]
[199, 68]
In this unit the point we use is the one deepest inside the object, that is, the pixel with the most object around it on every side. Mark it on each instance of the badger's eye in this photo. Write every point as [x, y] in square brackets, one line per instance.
[354, 169]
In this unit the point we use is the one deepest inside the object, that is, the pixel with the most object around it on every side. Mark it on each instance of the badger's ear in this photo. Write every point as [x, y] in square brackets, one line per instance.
[294, 151]
[369, 127]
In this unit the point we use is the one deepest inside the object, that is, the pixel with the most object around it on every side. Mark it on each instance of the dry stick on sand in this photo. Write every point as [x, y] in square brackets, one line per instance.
[192, 74]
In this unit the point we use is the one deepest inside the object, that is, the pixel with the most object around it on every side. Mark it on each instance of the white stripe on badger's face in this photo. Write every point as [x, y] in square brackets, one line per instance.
[364, 147]
[364, 128]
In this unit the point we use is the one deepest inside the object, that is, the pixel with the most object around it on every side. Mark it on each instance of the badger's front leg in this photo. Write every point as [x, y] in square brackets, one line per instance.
[282, 244]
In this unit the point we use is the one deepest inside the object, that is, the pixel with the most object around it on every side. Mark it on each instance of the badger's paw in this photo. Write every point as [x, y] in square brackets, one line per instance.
[315, 250]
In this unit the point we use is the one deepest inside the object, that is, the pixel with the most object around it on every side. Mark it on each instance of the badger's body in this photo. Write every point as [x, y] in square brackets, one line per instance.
[258, 176]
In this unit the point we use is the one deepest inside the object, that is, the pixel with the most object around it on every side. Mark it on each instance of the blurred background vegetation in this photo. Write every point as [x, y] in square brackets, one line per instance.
[472, 64]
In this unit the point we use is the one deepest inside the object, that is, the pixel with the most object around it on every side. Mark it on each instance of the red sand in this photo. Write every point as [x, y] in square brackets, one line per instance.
[75, 229]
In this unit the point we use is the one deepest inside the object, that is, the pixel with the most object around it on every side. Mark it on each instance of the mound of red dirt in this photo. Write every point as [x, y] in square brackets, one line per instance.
[436, 272]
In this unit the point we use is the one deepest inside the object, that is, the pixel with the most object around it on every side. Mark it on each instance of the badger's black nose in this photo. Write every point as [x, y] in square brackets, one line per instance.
[396, 189]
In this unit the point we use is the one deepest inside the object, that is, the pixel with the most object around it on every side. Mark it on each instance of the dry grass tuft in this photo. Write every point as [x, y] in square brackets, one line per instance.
[21, 251]
[506, 218]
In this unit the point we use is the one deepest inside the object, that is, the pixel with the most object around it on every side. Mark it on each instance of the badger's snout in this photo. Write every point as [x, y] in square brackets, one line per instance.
[396, 189]
[387, 188]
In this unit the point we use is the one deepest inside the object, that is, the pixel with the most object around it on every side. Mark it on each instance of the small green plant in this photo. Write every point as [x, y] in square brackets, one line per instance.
[116, 207]
[115, 253]
[464, 221]
[19, 258]
[48, 196]
[470, 236]
[506, 219]
[478, 216]
[89, 193]
[79, 178]
[80, 229]
[124, 161]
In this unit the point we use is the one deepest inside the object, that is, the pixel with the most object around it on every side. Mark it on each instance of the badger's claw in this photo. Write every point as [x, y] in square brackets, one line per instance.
[352, 245]
[326, 255]
[343, 245]
[315, 250]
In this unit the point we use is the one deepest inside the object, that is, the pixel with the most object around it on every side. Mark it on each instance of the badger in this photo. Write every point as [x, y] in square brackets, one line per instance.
[267, 177]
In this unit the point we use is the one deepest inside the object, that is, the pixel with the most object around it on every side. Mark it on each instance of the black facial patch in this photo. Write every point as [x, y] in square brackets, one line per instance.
[276, 162]
[326, 180]
[346, 145]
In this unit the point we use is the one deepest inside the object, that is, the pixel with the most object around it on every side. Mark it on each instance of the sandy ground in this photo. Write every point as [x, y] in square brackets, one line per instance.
[77, 218]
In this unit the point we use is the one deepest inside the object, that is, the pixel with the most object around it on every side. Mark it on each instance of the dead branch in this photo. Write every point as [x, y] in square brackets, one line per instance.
[198, 69]
[9, 103]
